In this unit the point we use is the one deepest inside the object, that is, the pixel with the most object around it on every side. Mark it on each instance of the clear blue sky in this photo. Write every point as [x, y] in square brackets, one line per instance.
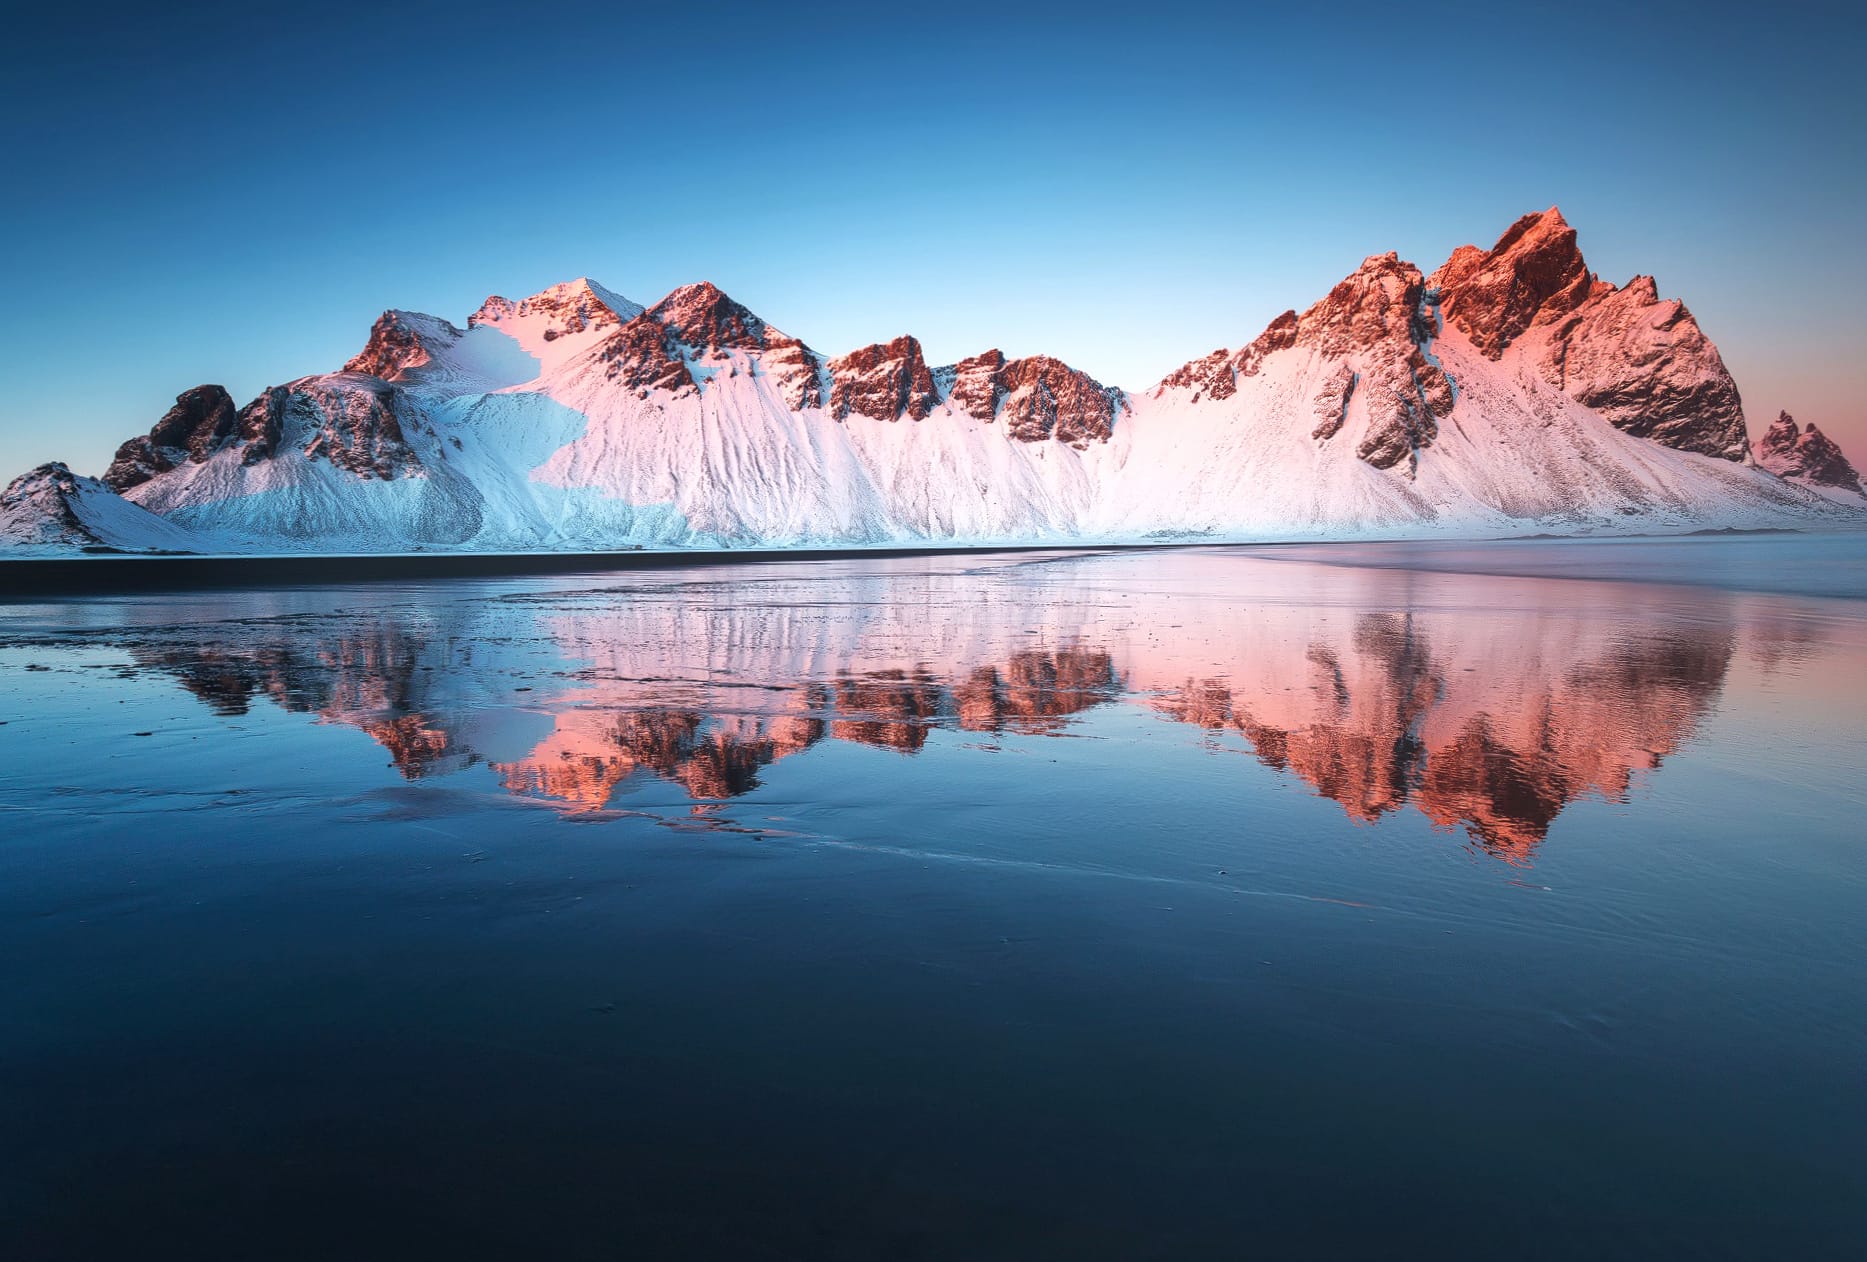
[233, 193]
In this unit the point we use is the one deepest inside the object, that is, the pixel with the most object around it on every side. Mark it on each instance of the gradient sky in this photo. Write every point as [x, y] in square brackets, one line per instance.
[233, 193]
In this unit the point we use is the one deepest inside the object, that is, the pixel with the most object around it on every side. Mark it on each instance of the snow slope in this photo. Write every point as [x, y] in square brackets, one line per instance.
[51, 510]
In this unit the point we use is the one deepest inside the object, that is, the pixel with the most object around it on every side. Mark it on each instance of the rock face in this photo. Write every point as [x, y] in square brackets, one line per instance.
[262, 424]
[1533, 275]
[1374, 331]
[885, 381]
[575, 306]
[794, 369]
[1640, 361]
[399, 344]
[1045, 397]
[200, 423]
[1790, 451]
[975, 386]
[351, 419]
[643, 356]
[1037, 397]
[1382, 317]
[1331, 402]
[356, 424]
[701, 323]
[704, 319]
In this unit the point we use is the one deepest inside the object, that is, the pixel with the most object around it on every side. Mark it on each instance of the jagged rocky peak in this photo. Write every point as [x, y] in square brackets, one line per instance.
[1533, 275]
[1791, 451]
[975, 385]
[400, 342]
[884, 382]
[1379, 302]
[1383, 318]
[574, 306]
[1037, 397]
[201, 422]
[652, 351]
[704, 319]
[352, 418]
[1640, 361]
[1378, 324]
[794, 369]
[262, 424]
[1644, 364]
[1046, 398]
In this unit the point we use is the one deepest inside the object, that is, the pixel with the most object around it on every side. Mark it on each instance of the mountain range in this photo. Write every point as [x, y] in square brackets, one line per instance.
[1510, 391]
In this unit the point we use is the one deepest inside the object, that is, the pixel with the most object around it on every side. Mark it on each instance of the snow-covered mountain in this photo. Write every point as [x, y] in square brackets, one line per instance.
[1512, 391]
[53, 509]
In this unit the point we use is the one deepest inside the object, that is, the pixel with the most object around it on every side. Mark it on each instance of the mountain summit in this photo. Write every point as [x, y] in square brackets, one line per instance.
[1788, 450]
[1638, 360]
[1511, 390]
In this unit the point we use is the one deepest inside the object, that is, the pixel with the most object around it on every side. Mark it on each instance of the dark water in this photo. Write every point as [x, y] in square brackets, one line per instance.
[1165, 905]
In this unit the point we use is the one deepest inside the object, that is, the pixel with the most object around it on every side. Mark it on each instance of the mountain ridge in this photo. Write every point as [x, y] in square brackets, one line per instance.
[1510, 390]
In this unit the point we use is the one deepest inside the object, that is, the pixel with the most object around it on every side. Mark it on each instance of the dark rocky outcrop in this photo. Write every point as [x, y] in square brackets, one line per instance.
[200, 423]
[1037, 397]
[884, 382]
[1533, 275]
[262, 424]
[705, 322]
[358, 425]
[794, 370]
[1046, 398]
[702, 318]
[976, 387]
[1331, 402]
[397, 345]
[642, 356]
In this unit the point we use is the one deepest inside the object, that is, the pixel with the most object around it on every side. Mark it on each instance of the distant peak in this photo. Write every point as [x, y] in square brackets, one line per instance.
[693, 300]
[1805, 453]
[567, 307]
[701, 291]
[1535, 227]
[585, 288]
[703, 317]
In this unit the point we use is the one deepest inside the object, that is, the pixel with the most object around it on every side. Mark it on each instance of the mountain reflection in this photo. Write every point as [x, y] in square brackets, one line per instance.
[1488, 715]
[1388, 717]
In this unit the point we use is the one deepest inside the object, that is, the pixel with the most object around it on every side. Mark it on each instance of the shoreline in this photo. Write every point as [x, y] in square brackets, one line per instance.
[94, 575]
[31, 578]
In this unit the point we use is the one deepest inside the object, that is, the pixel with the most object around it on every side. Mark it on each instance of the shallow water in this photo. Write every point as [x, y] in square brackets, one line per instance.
[1170, 904]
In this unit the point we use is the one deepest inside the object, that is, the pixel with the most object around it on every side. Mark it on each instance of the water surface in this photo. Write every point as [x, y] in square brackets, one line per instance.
[1167, 904]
